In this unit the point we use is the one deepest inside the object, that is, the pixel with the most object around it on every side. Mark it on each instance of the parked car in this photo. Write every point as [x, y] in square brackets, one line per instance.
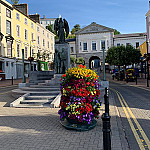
[130, 75]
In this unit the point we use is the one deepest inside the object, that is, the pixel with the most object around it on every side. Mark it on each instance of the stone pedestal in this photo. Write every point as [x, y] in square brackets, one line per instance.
[62, 58]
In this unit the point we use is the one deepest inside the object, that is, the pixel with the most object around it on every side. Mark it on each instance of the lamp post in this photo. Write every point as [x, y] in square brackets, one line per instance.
[104, 63]
[23, 77]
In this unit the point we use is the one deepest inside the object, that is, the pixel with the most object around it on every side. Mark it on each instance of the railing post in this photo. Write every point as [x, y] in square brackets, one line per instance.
[106, 124]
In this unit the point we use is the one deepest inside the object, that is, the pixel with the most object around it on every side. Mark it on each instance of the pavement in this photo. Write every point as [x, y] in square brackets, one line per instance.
[9, 82]
[40, 128]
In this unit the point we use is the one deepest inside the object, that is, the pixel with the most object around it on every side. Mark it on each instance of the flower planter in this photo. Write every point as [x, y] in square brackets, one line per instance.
[80, 102]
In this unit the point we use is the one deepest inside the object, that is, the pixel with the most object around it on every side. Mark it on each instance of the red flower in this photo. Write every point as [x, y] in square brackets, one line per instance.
[64, 75]
[88, 83]
[87, 75]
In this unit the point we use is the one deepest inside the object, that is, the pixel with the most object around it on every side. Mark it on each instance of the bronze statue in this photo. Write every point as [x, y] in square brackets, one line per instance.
[60, 27]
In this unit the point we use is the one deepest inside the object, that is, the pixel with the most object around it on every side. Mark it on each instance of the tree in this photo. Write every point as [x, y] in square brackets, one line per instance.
[72, 60]
[75, 29]
[123, 56]
[14, 2]
[80, 60]
[116, 32]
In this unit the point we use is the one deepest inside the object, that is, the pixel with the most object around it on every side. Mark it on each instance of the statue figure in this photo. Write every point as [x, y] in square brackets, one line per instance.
[63, 57]
[57, 61]
[60, 27]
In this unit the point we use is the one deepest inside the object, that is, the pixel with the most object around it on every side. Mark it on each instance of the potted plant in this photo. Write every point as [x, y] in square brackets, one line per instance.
[80, 102]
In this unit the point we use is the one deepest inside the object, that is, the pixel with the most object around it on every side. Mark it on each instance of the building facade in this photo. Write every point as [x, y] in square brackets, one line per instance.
[47, 21]
[135, 39]
[22, 31]
[90, 42]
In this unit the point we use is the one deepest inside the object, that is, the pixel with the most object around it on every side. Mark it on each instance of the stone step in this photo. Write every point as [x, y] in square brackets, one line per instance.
[40, 97]
[33, 106]
[36, 102]
[45, 86]
[39, 89]
[51, 93]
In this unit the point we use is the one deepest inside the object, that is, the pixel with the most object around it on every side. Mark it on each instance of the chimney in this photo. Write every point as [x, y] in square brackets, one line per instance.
[23, 8]
[35, 17]
[43, 16]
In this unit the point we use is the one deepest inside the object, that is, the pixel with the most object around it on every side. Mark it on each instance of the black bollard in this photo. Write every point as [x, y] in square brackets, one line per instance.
[136, 80]
[106, 132]
[106, 101]
[12, 80]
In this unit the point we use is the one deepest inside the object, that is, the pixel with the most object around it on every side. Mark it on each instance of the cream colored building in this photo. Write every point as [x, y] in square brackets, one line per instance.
[19, 30]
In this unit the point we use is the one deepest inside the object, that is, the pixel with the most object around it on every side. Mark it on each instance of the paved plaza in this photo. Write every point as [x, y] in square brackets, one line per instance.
[30, 128]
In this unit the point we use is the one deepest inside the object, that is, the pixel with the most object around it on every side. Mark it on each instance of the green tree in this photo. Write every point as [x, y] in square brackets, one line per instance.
[123, 56]
[116, 32]
[75, 29]
[72, 60]
[80, 60]
[14, 2]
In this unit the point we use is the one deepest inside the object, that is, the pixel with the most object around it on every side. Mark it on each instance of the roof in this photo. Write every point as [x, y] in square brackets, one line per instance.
[70, 40]
[94, 28]
[129, 35]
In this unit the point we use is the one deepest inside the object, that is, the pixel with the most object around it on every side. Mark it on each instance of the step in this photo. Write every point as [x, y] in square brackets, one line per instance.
[51, 93]
[40, 89]
[40, 97]
[45, 86]
[33, 106]
[36, 102]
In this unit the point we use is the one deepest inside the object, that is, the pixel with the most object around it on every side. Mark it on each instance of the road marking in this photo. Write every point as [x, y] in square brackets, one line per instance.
[131, 124]
[137, 123]
[5, 92]
[139, 138]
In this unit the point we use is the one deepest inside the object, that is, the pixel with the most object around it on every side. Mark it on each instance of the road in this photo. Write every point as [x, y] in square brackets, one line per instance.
[5, 94]
[133, 105]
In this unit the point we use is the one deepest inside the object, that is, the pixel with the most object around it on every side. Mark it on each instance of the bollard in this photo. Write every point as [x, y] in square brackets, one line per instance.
[12, 80]
[106, 132]
[106, 123]
[136, 80]
[106, 101]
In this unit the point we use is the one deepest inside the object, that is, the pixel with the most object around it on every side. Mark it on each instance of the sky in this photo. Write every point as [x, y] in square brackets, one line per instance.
[127, 16]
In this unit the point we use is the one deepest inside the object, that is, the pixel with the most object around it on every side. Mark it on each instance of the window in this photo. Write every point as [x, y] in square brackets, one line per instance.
[32, 26]
[8, 48]
[25, 21]
[38, 29]
[48, 44]
[43, 32]
[47, 35]
[103, 44]
[38, 39]
[18, 30]
[52, 38]
[43, 42]
[18, 50]
[8, 13]
[93, 45]
[85, 46]
[33, 52]
[71, 49]
[8, 23]
[32, 37]
[26, 52]
[26, 34]
[17, 16]
[137, 44]
[118, 44]
[51, 46]
[127, 44]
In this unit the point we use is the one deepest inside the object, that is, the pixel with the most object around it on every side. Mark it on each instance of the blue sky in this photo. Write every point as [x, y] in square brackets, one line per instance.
[127, 16]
